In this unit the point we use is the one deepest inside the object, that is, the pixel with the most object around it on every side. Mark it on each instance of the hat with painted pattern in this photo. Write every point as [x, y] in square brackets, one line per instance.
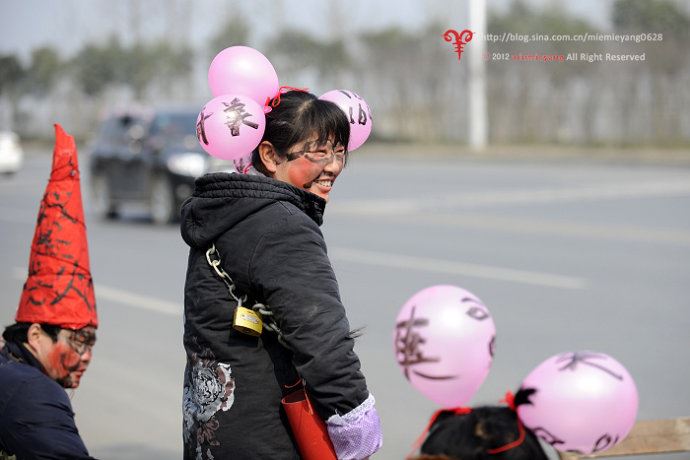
[59, 289]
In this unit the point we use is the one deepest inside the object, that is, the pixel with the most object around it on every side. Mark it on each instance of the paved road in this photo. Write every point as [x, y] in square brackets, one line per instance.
[568, 254]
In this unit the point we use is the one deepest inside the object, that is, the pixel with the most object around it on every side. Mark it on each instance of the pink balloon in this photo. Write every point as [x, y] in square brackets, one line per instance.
[444, 340]
[230, 126]
[584, 402]
[243, 70]
[357, 111]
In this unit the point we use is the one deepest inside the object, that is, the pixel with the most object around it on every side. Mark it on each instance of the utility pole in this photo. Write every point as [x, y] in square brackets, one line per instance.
[478, 119]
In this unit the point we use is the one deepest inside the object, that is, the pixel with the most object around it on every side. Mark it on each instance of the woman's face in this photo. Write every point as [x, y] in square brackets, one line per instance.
[312, 166]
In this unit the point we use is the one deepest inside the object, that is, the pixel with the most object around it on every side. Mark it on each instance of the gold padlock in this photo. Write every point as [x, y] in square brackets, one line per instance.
[247, 321]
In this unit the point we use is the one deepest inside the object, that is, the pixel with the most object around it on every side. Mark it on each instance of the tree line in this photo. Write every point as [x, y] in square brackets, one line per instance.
[411, 78]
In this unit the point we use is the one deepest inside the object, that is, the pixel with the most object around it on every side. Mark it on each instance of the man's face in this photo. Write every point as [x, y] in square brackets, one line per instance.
[66, 359]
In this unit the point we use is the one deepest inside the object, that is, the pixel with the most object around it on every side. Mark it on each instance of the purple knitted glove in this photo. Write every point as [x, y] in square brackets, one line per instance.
[357, 434]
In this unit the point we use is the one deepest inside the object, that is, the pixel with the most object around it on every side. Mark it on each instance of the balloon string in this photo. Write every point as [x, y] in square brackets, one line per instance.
[434, 416]
[509, 399]
[510, 445]
[275, 101]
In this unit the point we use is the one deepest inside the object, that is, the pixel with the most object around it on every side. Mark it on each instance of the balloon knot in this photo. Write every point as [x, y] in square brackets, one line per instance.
[509, 399]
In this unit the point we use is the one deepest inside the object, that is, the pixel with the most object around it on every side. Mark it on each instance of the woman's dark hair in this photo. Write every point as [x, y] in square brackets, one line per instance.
[471, 436]
[298, 116]
[17, 332]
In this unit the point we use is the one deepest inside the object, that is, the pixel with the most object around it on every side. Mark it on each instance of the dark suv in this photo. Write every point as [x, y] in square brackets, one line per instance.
[148, 158]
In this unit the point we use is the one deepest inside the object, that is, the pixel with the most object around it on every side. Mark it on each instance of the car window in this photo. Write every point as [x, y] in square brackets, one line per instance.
[115, 129]
[173, 127]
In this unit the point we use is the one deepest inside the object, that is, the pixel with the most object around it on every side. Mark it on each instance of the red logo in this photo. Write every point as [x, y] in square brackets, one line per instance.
[461, 39]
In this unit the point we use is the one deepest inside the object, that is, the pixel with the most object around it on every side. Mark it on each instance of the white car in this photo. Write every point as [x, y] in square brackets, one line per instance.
[11, 153]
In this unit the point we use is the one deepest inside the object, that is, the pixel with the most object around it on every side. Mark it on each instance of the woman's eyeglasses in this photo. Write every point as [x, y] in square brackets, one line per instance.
[321, 154]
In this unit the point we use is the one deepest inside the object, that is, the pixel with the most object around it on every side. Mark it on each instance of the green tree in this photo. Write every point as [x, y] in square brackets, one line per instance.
[656, 17]
[43, 71]
[392, 41]
[164, 63]
[668, 59]
[547, 22]
[234, 31]
[294, 51]
[651, 16]
[137, 67]
[408, 73]
[521, 19]
[11, 73]
[97, 67]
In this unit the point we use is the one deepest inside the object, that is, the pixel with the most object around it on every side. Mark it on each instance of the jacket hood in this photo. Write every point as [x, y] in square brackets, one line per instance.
[222, 200]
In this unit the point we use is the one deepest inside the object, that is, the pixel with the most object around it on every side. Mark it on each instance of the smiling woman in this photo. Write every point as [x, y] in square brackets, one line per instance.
[303, 136]
[265, 229]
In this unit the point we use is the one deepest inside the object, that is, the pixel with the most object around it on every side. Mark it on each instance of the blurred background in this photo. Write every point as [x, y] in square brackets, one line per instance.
[558, 192]
[76, 60]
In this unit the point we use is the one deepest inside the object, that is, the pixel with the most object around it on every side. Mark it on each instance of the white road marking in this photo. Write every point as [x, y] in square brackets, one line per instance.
[127, 373]
[382, 259]
[16, 219]
[137, 300]
[558, 228]
[474, 200]
[128, 298]
[374, 258]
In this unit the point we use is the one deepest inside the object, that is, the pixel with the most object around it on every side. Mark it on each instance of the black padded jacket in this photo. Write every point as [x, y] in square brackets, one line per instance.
[36, 417]
[268, 238]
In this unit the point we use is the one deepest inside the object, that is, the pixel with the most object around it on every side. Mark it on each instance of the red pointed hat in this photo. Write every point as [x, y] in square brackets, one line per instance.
[59, 288]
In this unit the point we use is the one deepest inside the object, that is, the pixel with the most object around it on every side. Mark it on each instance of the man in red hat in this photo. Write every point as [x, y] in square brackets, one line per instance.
[50, 346]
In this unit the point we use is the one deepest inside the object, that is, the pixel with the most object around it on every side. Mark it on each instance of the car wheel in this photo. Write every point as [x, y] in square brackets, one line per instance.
[102, 204]
[162, 201]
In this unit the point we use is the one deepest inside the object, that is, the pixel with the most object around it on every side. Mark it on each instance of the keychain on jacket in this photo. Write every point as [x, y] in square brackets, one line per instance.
[245, 320]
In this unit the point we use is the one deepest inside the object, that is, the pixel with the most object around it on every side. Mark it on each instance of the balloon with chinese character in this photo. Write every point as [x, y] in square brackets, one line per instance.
[230, 126]
[357, 111]
[243, 70]
[584, 402]
[444, 339]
